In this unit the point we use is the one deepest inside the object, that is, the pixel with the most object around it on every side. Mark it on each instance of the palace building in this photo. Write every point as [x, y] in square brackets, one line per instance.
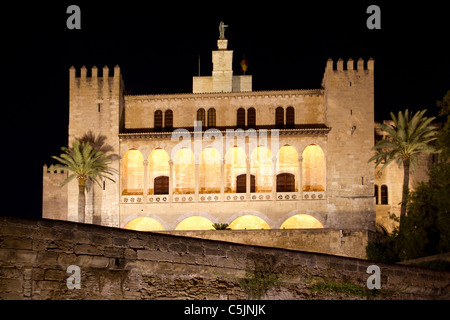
[225, 153]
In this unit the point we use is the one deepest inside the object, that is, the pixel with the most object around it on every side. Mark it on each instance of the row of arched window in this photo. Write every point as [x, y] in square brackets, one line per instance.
[382, 195]
[283, 119]
[259, 173]
[245, 222]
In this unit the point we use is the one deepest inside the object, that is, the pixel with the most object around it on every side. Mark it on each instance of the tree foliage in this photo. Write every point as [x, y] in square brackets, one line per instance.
[407, 138]
[426, 227]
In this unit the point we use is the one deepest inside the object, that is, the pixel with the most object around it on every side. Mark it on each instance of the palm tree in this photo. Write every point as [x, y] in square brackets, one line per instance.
[86, 163]
[407, 138]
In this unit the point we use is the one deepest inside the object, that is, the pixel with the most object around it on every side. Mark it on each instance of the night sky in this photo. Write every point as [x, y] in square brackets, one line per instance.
[157, 45]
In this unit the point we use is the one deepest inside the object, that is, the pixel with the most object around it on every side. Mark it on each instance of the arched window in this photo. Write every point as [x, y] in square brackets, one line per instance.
[195, 223]
[241, 183]
[161, 185]
[235, 165]
[301, 221]
[184, 172]
[376, 194]
[211, 117]
[144, 224]
[168, 119]
[248, 222]
[201, 116]
[158, 120]
[240, 123]
[209, 170]
[279, 117]
[290, 117]
[158, 166]
[313, 169]
[261, 168]
[287, 163]
[133, 173]
[384, 194]
[285, 182]
[251, 118]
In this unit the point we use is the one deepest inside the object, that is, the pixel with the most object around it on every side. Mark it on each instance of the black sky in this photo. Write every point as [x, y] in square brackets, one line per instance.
[157, 45]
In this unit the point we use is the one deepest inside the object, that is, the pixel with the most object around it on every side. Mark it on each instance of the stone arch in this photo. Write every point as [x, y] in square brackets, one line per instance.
[195, 222]
[235, 165]
[133, 173]
[249, 222]
[184, 172]
[313, 168]
[261, 168]
[144, 224]
[158, 165]
[209, 170]
[301, 221]
[287, 163]
[319, 217]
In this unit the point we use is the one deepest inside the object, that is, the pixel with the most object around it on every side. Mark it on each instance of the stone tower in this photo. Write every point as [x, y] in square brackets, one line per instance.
[96, 105]
[222, 79]
[349, 102]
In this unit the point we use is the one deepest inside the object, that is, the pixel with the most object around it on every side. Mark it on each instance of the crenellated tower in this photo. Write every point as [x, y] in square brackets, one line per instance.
[349, 103]
[96, 105]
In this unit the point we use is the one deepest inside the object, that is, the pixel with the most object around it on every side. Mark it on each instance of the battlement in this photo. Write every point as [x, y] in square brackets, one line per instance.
[82, 79]
[83, 72]
[47, 171]
[350, 65]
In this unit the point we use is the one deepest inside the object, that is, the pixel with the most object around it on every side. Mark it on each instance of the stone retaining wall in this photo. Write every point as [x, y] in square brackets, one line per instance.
[123, 264]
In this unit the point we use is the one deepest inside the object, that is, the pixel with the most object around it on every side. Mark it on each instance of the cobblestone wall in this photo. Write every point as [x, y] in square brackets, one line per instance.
[123, 264]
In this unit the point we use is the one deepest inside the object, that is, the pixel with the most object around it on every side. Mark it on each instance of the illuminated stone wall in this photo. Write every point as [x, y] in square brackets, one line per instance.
[122, 264]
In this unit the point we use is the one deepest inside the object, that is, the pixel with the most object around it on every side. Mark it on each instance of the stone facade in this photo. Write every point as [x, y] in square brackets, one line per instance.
[264, 156]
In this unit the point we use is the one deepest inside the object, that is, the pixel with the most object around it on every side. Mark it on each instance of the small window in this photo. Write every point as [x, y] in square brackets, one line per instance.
[279, 118]
[251, 118]
[168, 119]
[241, 183]
[158, 120]
[285, 182]
[201, 116]
[384, 194]
[241, 118]
[211, 117]
[376, 194]
[161, 185]
[290, 117]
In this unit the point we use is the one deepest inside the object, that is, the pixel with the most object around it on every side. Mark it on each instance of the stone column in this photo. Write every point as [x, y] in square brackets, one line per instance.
[145, 186]
[171, 182]
[247, 179]
[197, 180]
[222, 179]
[299, 182]
[274, 178]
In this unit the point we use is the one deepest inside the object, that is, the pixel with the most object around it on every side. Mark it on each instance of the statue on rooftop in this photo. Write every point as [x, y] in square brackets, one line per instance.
[222, 27]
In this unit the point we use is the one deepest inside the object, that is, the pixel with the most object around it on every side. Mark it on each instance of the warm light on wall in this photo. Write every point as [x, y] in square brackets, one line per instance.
[184, 172]
[261, 167]
[144, 224]
[209, 171]
[132, 173]
[288, 162]
[301, 221]
[313, 169]
[158, 165]
[235, 165]
[195, 223]
[248, 222]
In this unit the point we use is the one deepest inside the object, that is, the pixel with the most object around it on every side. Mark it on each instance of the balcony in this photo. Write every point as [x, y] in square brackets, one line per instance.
[225, 197]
